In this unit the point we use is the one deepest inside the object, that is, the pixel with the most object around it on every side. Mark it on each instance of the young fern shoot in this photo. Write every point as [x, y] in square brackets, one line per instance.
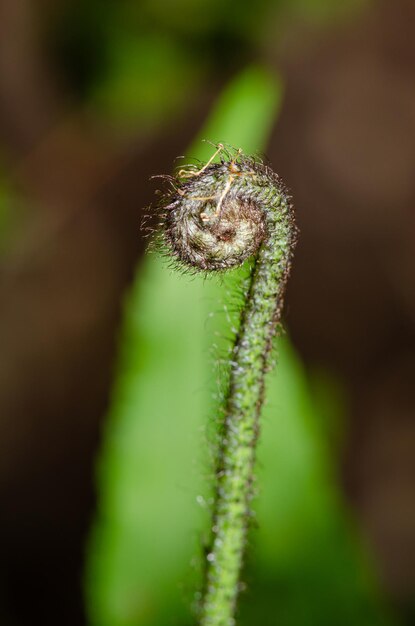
[213, 219]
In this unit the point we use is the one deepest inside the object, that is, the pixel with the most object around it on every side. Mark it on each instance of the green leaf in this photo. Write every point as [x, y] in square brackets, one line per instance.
[154, 470]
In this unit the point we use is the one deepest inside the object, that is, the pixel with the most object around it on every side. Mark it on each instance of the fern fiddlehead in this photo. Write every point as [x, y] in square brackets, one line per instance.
[213, 219]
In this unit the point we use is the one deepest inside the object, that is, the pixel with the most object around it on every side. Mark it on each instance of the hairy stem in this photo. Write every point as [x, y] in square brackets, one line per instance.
[214, 219]
[246, 392]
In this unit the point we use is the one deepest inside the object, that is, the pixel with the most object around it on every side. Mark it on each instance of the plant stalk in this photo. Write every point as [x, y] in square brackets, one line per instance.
[251, 361]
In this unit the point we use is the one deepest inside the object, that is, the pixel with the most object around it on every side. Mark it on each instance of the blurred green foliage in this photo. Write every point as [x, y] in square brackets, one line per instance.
[306, 563]
[137, 65]
[152, 472]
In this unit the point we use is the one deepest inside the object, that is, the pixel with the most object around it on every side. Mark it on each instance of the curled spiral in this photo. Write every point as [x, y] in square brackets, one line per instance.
[214, 218]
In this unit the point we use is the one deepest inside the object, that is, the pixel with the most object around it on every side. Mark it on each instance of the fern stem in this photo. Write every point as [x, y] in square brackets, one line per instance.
[246, 391]
[214, 219]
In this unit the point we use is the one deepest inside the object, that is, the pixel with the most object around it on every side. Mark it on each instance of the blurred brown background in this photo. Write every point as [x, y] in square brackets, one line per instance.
[77, 184]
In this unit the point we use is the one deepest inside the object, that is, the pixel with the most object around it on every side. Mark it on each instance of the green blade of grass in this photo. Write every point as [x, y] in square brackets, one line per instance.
[151, 473]
[154, 469]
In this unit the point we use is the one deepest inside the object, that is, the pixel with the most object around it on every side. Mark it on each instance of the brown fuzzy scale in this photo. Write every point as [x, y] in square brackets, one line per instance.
[212, 220]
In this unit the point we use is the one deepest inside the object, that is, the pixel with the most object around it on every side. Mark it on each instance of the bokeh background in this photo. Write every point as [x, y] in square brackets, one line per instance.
[110, 365]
